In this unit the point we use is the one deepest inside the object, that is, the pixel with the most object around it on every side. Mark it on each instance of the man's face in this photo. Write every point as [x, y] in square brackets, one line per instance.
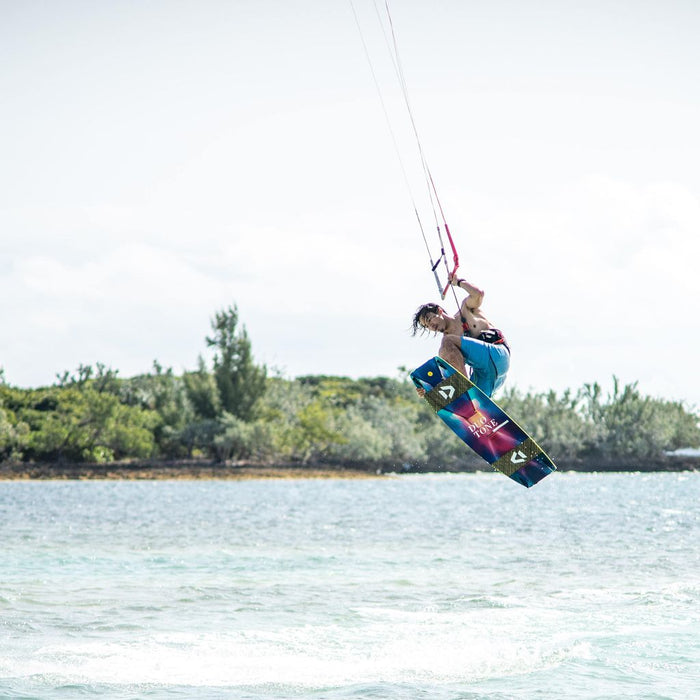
[434, 321]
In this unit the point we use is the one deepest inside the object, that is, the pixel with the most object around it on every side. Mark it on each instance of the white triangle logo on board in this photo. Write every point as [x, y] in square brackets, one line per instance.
[518, 457]
[447, 391]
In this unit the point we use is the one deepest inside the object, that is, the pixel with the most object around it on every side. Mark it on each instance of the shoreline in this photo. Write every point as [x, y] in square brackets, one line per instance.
[176, 472]
[201, 469]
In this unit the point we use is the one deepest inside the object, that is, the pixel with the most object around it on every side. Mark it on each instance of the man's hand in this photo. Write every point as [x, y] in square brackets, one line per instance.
[420, 391]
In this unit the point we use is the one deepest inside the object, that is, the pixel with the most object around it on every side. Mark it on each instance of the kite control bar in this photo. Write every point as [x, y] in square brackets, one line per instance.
[455, 260]
[443, 258]
[437, 277]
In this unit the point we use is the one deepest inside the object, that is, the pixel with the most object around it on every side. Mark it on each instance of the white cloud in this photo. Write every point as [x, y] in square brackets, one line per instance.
[163, 186]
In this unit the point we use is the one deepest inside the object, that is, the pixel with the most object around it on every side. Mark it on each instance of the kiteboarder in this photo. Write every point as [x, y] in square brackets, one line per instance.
[468, 338]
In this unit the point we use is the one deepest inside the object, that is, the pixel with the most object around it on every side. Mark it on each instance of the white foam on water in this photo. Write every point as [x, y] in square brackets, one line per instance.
[393, 647]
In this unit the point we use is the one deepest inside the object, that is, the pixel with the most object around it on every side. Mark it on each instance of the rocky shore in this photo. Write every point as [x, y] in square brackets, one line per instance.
[175, 470]
[202, 469]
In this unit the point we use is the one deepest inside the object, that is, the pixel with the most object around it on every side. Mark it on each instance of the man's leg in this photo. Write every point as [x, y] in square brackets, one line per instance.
[488, 363]
[451, 351]
[501, 360]
[491, 374]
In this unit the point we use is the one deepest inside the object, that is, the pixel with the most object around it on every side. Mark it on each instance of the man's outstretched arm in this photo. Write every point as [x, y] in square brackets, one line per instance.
[474, 295]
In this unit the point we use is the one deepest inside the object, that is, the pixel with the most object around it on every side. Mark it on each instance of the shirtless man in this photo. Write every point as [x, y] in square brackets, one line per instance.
[468, 338]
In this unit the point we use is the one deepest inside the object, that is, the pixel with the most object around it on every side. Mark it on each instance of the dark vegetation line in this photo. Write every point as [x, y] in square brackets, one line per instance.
[234, 410]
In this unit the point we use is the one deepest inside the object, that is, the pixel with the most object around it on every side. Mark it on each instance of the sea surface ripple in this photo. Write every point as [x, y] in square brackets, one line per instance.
[428, 586]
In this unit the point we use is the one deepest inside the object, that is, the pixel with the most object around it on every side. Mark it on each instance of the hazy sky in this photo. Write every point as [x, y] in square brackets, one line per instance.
[161, 160]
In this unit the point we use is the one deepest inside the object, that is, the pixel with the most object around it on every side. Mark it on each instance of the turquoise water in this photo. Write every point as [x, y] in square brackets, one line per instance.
[446, 587]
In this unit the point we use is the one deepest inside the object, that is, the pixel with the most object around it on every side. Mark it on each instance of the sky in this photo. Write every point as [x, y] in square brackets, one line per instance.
[164, 160]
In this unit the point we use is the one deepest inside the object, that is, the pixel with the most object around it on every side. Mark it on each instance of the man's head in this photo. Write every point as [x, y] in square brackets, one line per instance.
[427, 318]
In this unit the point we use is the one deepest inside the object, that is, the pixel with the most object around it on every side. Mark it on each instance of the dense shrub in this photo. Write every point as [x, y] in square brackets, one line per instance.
[234, 410]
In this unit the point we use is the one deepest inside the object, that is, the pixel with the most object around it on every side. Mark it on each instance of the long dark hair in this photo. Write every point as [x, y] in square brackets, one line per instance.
[420, 314]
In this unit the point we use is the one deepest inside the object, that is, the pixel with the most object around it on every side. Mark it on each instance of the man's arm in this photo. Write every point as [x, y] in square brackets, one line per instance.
[474, 295]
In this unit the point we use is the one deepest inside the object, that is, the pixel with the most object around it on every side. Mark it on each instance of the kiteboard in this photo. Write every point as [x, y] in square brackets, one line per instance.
[481, 423]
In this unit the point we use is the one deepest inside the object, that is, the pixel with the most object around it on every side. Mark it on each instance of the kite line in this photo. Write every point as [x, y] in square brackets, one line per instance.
[441, 225]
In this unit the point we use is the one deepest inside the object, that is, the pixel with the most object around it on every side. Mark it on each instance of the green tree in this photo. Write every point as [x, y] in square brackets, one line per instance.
[555, 422]
[631, 427]
[82, 424]
[198, 437]
[380, 429]
[240, 440]
[166, 394]
[203, 392]
[12, 435]
[240, 381]
[279, 409]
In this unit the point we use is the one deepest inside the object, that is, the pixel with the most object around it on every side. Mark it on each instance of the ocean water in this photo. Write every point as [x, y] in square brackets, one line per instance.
[436, 587]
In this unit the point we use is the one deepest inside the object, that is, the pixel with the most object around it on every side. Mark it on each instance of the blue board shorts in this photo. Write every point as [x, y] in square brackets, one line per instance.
[489, 363]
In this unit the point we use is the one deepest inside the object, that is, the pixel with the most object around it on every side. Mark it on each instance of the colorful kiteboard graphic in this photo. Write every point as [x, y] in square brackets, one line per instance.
[481, 423]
